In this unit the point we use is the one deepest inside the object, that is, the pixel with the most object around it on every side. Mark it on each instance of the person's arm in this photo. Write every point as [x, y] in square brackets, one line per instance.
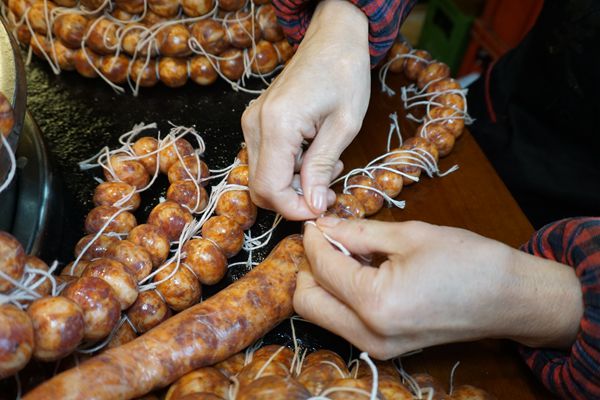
[321, 96]
[574, 242]
[441, 285]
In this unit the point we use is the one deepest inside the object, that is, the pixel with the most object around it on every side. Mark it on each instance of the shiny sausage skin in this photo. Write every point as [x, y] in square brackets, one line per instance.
[203, 380]
[319, 368]
[468, 392]
[7, 117]
[200, 336]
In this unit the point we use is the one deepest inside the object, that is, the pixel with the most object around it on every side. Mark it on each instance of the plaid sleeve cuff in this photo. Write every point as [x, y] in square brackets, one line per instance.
[574, 374]
[385, 18]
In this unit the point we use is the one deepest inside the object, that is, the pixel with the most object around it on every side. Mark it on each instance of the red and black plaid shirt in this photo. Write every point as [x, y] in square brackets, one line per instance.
[385, 18]
[574, 374]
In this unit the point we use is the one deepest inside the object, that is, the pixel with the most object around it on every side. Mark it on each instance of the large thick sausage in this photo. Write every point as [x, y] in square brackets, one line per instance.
[199, 336]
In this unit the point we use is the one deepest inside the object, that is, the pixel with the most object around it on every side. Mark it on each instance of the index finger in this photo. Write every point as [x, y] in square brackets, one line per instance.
[341, 275]
[315, 304]
[272, 179]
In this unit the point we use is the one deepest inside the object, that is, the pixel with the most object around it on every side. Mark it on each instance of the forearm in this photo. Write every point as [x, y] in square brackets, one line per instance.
[543, 302]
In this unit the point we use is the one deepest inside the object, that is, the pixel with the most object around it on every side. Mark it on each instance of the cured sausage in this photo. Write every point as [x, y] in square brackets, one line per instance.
[171, 218]
[202, 380]
[187, 169]
[16, 340]
[142, 148]
[371, 200]
[181, 290]
[109, 193]
[200, 336]
[173, 41]
[12, 260]
[153, 239]
[468, 392]
[197, 8]
[202, 71]
[206, 260]
[117, 276]
[124, 222]
[101, 310]
[237, 205]
[148, 311]
[134, 258]
[320, 368]
[347, 206]
[397, 50]
[435, 71]
[58, 327]
[70, 28]
[274, 388]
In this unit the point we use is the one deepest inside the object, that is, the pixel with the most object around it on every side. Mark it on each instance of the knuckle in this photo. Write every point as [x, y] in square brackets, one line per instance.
[258, 193]
[348, 124]
[273, 111]
[300, 303]
[249, 120]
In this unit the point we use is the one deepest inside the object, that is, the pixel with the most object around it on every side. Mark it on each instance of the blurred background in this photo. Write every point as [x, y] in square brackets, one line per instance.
[469, 35]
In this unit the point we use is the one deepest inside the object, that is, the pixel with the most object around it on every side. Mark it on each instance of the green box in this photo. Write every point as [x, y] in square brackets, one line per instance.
[446, 32]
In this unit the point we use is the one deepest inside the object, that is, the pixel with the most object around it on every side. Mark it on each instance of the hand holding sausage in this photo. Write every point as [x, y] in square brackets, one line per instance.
[321, 95]
[438, 285]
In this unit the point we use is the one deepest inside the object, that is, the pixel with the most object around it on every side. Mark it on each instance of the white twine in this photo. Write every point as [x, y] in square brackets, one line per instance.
[24, 288]
[100, 232]
[375, 375]
[367, 172]
[13, 164]
[295, 359]
[334, 242]
[269, 360]
[452, 372]
[249, 353]
[262, 240]
[394, 128]
[189, 230]
[83, 349]
[19, 388]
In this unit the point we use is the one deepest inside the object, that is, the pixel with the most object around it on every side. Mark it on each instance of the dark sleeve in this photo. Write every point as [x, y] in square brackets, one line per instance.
[385, 18]
[573, 374]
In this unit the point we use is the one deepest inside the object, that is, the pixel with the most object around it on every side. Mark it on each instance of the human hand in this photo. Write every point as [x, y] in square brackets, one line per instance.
[437, 285]
[322, 95]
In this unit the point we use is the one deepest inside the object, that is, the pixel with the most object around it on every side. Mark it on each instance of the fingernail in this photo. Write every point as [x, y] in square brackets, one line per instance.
[319, 199]
[328, 222]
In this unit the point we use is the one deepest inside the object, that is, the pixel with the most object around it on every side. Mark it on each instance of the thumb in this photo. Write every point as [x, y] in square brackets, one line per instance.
[360, 236]
[321, 163]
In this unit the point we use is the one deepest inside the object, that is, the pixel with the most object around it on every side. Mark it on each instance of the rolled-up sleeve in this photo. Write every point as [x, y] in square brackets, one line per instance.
[573, 374]
[385, 18]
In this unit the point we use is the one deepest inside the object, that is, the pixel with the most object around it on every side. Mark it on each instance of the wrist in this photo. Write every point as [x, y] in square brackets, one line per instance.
[545, 302]
[342, 20]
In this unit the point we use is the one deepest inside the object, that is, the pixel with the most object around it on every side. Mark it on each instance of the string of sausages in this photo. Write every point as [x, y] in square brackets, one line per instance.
[127, 278]
[142, 42]
[265, 371]
[323, 374]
